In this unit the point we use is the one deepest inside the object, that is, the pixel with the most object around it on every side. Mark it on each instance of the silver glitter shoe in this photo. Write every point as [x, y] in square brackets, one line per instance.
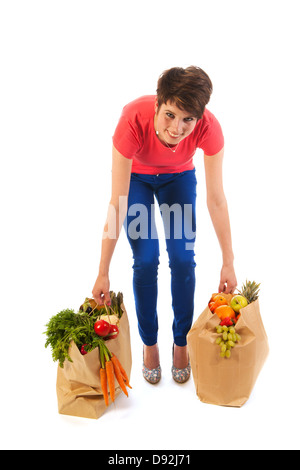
[152, 376]
[181, 375]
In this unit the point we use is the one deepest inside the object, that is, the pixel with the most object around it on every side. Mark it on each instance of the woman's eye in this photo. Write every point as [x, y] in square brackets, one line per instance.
[171, 116]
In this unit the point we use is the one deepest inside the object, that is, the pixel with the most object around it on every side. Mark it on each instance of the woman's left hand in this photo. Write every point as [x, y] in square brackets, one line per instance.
[228, 282]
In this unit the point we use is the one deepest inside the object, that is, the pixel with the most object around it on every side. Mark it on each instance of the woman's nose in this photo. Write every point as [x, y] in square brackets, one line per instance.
[177, 126]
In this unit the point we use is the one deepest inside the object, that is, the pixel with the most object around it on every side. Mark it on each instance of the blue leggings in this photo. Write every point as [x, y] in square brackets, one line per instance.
[176, 196]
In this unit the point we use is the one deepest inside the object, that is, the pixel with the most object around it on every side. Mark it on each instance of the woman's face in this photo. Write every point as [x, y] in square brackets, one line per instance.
[173, 124]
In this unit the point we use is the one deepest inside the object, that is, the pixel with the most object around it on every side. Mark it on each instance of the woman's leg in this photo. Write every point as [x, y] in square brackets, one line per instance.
[142, 236]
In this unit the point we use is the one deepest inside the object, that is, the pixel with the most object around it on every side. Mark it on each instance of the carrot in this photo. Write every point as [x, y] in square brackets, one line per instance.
[110, 379]
[122, 370]
[126, 382]
[103, 380]
[119, 377]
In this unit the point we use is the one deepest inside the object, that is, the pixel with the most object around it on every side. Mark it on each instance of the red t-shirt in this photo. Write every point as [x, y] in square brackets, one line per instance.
[135, 138]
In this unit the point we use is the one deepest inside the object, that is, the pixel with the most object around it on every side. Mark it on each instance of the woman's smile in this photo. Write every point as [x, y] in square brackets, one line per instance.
[172, 135]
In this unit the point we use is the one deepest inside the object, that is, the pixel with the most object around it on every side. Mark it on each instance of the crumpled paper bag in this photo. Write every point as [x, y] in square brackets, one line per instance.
[78, 385]
[227, 382]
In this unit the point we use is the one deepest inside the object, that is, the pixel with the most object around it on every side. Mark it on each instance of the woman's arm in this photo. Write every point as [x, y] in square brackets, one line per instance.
[121, 172]
[218, 210]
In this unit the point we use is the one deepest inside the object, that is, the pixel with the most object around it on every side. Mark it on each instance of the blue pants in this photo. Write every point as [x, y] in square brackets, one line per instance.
[176, 196]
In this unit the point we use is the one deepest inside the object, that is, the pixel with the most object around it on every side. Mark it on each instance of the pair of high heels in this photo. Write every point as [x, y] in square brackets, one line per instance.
[153, 376]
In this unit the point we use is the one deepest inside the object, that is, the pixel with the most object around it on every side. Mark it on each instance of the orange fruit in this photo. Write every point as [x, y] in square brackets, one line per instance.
[212, 297]
[213, 306]
[228, 297]
[224, 311]
[216, 301]
[220, 299]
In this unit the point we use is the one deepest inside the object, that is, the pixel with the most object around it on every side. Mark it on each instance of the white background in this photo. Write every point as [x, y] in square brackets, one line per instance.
[67, 69]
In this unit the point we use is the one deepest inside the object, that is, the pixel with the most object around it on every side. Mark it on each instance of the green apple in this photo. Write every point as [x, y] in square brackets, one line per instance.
[237, 302]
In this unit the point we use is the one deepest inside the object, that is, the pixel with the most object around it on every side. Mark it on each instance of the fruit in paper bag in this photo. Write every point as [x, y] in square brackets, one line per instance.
[82, 349]
[217, 300]
[224, 311]
[228, 297]
[220, 298]
[238, 302]
[230, 313]
[101, 328]
[227, 340]
[113, 332]
[227, 322]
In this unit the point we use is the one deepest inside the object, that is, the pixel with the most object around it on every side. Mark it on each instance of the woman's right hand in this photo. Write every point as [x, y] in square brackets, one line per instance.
[101, 290]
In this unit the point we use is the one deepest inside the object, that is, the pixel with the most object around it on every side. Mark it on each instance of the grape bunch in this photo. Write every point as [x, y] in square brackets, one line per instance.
[228, 339]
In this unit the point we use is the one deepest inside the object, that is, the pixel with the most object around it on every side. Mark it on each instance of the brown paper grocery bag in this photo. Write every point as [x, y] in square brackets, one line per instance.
[78, 385]
[227, 382]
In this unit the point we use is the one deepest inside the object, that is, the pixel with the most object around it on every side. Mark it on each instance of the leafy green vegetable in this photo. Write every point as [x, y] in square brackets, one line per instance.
[67, 325]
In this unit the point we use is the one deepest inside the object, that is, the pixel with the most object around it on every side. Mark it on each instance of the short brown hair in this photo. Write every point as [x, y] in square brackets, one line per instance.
[189, 89]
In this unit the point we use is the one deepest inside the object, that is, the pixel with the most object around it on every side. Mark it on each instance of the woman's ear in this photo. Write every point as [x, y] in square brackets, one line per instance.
[156, 105]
